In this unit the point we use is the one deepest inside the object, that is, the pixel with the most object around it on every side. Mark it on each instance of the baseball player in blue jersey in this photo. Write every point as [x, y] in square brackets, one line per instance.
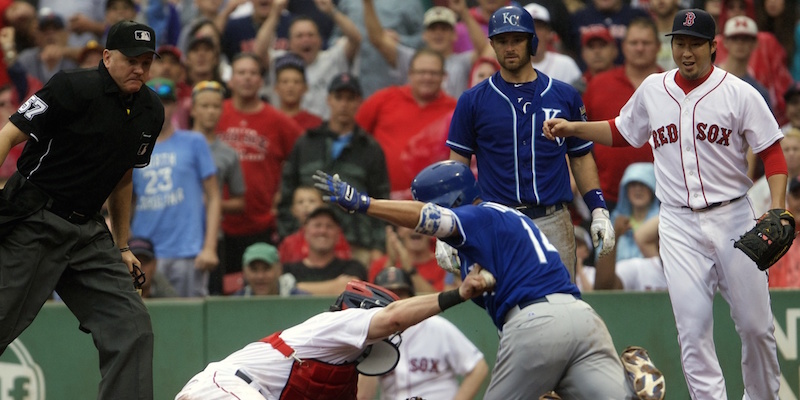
[500, 122]
[550, 338]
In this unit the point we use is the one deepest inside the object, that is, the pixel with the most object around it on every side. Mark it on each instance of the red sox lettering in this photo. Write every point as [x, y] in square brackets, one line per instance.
[711, 133]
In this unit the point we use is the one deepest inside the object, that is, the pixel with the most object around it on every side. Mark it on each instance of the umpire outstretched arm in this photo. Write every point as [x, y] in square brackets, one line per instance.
[10, 136]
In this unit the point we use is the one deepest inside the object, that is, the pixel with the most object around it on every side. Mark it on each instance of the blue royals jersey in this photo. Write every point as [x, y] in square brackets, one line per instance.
[501, 123]
[510, 246]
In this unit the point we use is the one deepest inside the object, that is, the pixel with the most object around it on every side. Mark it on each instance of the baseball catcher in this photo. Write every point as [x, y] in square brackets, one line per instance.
[769, 240]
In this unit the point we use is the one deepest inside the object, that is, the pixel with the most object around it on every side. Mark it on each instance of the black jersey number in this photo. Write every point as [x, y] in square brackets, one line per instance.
[32, 107]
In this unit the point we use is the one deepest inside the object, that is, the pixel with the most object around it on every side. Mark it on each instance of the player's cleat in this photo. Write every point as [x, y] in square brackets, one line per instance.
[647, 380]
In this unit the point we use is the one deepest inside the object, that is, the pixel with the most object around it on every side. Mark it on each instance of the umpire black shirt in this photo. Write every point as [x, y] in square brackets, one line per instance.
[82, 137]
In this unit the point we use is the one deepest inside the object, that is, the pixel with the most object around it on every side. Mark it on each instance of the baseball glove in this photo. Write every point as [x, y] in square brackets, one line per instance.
[769, 240]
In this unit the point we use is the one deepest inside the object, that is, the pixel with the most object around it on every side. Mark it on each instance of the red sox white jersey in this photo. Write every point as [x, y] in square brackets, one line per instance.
[699, 145]
[433, 353]
[705, 133]
[333, 337]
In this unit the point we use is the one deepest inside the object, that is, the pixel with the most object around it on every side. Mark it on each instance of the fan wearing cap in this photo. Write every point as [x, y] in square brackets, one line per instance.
[49, 56]
[86, 131]
[156, 285]
[333, 347]
[613, 14]
[598, 52]
[699, 121]
[340, 145]
[434, 356]
[177, 202]
[438, 35]
[290, 87]
[305, 41]
[263, 273]
[553, 64]
[741, 35]
[322, 272]
[609, 91]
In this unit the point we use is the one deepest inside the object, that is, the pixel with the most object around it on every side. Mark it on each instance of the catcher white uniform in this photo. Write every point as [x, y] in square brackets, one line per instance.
[333, 337]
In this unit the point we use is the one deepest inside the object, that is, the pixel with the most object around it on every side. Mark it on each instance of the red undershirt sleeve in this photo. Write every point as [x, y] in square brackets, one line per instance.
[616, 138]
[773, 159]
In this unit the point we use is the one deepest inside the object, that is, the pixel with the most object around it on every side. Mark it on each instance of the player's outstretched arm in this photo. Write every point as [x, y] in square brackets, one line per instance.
[596, 131]
[401, 314]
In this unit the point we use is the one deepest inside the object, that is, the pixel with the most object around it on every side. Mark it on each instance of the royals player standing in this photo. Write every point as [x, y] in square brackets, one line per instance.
[500, 120]
[700, 121]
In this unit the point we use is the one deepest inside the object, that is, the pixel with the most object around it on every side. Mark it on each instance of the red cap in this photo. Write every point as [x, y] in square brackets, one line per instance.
[169, 49]
[596, 32]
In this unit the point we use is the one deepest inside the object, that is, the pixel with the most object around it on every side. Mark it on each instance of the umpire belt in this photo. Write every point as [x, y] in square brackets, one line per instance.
[33, 194]
[555, 298]
[534, 211]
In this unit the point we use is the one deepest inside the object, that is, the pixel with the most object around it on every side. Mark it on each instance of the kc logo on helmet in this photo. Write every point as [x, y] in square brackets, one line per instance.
[142, 35]
[510, 19]
[689, 21]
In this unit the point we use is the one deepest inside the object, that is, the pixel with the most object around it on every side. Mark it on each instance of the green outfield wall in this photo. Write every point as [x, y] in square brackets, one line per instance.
[54, 360]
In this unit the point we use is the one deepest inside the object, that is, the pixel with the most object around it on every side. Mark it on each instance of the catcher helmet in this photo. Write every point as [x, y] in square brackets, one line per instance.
[445, 183]
[394, 278]
[360, 294]
[513, 19]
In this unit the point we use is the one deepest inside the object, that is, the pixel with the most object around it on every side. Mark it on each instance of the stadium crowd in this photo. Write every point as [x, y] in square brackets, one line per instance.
[259, 94]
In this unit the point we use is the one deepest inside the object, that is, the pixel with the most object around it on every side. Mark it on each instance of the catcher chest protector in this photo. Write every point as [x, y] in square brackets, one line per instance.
[313, 379]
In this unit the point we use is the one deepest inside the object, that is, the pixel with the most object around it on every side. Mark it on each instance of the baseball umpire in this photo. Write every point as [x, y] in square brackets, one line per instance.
[85, 131]
[549, 338]
[500, 120]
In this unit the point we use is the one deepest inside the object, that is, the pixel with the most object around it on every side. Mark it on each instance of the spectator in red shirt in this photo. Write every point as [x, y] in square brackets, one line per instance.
[263, 137]
[598, 51]
[395, 115]
[609, 91]
[290, 86]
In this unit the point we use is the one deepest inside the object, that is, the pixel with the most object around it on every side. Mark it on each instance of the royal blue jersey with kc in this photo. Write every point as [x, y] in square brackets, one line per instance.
[501, 123]
[510, 246]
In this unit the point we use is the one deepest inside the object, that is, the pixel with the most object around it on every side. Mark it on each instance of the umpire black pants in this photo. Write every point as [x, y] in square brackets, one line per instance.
[44, 252]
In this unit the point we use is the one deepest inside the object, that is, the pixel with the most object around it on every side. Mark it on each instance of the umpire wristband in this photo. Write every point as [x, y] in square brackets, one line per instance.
[449, 298]
[594, 199]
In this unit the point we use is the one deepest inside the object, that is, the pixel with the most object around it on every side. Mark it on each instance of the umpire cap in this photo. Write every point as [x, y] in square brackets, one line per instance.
[694, 22]
[131, 38]
[394, 278]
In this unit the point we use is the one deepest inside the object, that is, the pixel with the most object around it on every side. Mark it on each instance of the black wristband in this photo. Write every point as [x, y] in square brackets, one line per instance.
[124, 249]
[449, 298]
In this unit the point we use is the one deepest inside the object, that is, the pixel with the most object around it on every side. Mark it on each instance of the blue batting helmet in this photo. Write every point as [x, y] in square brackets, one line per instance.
[445, 183]
[513, 19]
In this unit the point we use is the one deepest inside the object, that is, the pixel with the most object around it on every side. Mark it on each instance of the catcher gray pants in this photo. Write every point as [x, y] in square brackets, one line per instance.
[44, 252]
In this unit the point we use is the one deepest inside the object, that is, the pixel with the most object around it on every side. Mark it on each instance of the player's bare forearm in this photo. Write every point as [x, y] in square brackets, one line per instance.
[119, 209]
[10, 136]
[777, 190]
[399, 212]
[401, 314]
[472, 381]
[584, 169]
[596, 131]
[382, 41]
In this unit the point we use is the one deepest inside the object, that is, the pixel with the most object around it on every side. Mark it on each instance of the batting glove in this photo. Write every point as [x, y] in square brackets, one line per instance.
[602, 229]
[447, 257]
[335, 190]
